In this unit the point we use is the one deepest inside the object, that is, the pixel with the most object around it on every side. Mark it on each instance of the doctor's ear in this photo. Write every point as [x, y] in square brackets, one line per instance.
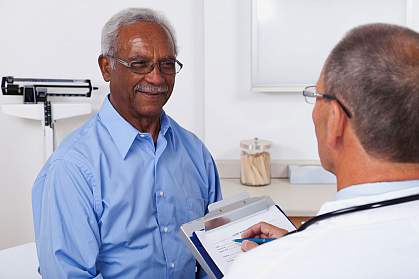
[105, 67]
[336, 123]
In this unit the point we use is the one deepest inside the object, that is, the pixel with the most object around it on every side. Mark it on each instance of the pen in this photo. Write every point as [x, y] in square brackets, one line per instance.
[257, 240]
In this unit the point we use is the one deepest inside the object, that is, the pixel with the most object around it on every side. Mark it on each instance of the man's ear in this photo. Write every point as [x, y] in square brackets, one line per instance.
[335, 125]
[105, 67]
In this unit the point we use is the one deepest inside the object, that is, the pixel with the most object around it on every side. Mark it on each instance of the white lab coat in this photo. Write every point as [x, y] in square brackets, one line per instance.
[376, 243]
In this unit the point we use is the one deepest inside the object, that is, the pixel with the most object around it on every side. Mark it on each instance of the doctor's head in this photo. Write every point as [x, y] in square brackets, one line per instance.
[370, 104]
[138, 59]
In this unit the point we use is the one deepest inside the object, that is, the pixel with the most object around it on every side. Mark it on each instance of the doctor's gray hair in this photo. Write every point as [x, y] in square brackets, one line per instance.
[374, 71]
[130, 16]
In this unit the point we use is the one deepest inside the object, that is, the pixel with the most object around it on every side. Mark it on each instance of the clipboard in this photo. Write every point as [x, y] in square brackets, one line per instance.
[221, 214]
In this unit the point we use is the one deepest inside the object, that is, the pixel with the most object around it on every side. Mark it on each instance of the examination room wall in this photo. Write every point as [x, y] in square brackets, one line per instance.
[233, 111]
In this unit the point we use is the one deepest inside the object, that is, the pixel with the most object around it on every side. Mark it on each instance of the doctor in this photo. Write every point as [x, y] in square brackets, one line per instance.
[366, 116]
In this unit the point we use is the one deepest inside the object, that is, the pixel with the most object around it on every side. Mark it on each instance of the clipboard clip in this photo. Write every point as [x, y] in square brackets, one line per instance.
[235, 208]
[220, 204]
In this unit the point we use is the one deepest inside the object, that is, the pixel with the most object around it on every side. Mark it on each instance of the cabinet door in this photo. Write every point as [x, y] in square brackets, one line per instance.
[291, 39]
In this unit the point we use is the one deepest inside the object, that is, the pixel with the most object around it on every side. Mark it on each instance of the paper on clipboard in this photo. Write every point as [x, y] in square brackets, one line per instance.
[209, 238]
[219, 242]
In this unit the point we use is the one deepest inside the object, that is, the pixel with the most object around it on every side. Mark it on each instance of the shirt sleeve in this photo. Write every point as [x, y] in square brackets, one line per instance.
[214, 188]
[66, 228]
[201, 274]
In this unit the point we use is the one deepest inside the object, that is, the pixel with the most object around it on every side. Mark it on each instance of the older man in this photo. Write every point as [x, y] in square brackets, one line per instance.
[109, 202]
[366, 117]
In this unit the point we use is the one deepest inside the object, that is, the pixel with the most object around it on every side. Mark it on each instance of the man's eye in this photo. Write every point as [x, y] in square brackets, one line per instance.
[139, 64]
[167, 64]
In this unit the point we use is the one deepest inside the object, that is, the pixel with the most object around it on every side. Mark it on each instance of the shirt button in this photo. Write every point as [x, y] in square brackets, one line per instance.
[172, 265]
[141, 135]
[165, 229]
[161, 194]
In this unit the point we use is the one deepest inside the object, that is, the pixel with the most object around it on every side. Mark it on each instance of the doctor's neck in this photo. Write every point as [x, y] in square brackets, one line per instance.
[370, 172]
[355, 166]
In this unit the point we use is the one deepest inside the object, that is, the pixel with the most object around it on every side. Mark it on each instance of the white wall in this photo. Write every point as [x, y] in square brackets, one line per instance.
[232, 111]
[61, 39]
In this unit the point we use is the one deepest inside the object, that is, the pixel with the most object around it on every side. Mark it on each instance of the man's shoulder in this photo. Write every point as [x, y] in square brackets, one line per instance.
[79, 144]
[73, 152]
[184, 135]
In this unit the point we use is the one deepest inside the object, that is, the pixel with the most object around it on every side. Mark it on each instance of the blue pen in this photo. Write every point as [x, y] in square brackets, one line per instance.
[257, 240]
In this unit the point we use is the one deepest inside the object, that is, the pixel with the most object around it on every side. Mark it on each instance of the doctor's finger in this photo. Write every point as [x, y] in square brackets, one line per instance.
[248, 245]
[264, 229]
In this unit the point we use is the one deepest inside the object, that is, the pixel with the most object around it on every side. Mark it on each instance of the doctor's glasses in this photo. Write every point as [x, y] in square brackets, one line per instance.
[310, 94]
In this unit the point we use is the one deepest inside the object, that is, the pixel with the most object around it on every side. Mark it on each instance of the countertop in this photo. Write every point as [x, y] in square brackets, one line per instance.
[294, 199]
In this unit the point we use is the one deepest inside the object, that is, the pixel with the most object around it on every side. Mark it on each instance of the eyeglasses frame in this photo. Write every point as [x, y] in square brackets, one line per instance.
[128, 64]
[314, 94]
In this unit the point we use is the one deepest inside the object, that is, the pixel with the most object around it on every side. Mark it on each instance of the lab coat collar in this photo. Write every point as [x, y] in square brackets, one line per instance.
[341, 204]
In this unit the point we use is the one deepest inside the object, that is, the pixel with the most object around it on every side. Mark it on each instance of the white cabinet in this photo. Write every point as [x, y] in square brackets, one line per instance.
[291, 39]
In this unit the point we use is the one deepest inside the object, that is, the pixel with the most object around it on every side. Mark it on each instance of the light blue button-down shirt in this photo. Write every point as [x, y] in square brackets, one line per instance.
[370, 189]
[109, 203]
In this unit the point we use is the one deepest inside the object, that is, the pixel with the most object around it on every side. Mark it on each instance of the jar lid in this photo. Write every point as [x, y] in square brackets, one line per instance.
[255, 144]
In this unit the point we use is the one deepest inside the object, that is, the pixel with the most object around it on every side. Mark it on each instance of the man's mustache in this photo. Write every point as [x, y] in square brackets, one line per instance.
[148, 88]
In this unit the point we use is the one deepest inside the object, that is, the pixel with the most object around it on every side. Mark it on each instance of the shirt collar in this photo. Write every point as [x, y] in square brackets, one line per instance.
[166, 127]
[122, 132]
[369, 189]
[389, 190]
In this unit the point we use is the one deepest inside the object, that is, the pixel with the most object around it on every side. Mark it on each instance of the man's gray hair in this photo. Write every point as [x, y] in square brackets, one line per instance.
[129, 16]
[374, 71]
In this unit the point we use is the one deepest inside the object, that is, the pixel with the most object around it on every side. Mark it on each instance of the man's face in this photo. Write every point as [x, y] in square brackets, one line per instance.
[319, 116]
[138, 96]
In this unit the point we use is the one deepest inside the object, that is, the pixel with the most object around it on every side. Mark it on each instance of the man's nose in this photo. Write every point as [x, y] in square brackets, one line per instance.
[155, 76]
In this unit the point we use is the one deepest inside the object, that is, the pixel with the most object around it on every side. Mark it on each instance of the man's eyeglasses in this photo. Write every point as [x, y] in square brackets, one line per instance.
[310, 93]
[166, 66]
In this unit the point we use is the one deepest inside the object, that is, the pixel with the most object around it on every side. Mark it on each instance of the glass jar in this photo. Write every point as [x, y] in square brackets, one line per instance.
[255, 162]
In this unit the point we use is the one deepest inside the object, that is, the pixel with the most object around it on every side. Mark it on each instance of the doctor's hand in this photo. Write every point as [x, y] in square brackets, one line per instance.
[260, 230]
